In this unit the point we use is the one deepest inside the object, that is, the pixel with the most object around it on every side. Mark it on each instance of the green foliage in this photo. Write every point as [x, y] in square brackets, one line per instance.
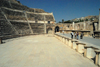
[81, 20]
[91, 19]
[67, 21]
[86, 19]
[59, 22]
[62, 20]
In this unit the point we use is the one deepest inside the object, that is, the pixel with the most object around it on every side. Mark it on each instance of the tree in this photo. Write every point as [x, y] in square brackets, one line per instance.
[62, 20]
[67, 21]
[91, 19]
[86, 19]
[59, 22]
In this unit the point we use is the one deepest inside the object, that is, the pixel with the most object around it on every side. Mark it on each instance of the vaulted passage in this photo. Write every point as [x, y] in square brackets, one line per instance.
[56, 29]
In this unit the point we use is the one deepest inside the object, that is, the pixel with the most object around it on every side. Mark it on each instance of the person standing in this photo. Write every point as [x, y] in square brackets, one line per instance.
[77, 35]
[63, 32]
[81, 36]
[72, 35]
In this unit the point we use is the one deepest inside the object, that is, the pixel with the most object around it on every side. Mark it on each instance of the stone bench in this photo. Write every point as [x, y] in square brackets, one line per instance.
[80, 47]
[97, 59]
[89, 52]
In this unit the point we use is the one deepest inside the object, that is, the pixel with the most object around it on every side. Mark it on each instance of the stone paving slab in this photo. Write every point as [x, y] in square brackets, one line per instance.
[40, 51]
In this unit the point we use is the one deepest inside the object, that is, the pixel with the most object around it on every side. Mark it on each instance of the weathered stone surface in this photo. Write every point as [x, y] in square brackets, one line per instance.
[17, 18]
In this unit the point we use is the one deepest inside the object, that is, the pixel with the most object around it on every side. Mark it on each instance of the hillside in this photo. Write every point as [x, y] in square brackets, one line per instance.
[87, 18]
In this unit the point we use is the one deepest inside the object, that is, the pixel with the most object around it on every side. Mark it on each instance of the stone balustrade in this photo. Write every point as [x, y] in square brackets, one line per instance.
[89, 51]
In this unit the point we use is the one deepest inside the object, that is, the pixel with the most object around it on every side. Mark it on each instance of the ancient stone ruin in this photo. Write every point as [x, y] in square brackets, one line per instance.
[16, 18]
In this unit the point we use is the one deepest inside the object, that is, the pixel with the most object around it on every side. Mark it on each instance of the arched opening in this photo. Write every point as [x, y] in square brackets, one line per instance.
[48, 22]
[49, 31]
[56, 29]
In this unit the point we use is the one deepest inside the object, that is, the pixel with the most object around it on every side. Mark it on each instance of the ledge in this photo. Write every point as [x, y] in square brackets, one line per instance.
[90, 47]
[80, 43]
[97, 51]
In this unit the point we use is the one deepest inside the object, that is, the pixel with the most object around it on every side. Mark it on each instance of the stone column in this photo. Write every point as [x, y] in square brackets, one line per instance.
[84, 25]
[73, 25]
[97, 59]
[53, 30]
[99, 20]
[44, 26]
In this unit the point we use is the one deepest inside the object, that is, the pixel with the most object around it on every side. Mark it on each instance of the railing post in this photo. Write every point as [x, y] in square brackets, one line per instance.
[0, 40]
[97, 59]
[66, 41]
[80, 47]
[74, 43]
[90, 52]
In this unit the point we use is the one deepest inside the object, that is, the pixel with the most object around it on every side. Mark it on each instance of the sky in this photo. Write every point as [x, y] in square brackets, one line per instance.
[65, 9]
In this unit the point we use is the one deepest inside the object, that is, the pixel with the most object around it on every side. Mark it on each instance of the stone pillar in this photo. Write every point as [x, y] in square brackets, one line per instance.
[66, 41]
[97, 59]
[95, 24]
[90, 51]
[80, 47]
[99, 20]
[44, 26]
[84, 25]
[73, 25]
[0, 40]
[53, 30]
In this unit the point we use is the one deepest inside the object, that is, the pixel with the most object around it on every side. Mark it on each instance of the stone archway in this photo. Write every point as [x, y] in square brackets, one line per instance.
[56, 29]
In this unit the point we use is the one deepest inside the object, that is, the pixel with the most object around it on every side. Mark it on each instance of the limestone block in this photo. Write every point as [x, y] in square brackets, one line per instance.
[97, 59]
[63, 39]
[69, 42]
[74, 45]
[66, 41]
[90, 52]
[81, 48]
